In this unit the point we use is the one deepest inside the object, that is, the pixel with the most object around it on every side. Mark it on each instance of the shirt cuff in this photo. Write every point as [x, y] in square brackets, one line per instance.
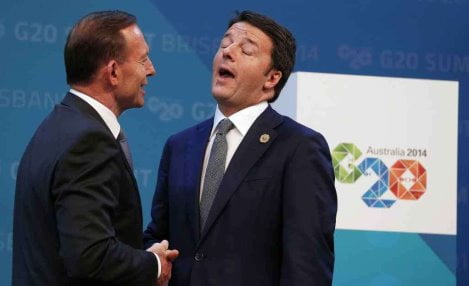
[159, 265]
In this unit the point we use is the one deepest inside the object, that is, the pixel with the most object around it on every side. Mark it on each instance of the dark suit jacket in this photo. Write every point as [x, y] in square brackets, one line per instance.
[272, 220]
[77, 214]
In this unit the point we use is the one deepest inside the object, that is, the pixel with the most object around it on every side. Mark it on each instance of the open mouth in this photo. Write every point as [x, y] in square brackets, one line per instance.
[224, 73]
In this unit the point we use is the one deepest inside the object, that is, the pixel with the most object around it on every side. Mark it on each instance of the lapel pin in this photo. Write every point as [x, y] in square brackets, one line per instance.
[264, 138]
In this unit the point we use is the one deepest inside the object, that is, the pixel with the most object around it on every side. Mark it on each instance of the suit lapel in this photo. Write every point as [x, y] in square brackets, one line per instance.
[193, 162]
[82, 106]
[249, 151]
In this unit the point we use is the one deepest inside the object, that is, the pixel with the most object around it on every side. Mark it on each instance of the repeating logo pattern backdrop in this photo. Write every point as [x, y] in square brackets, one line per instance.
[397, 38]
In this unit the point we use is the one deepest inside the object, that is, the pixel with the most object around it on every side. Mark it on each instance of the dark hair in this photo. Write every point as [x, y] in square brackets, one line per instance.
[284, 46]
[94, 40]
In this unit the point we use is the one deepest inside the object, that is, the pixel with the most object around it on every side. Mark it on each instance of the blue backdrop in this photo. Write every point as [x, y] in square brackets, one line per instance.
[400, 38]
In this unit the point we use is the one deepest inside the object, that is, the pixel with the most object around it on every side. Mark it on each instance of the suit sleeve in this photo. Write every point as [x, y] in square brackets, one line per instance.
[157, 229]
[85, 191]
[309, 212]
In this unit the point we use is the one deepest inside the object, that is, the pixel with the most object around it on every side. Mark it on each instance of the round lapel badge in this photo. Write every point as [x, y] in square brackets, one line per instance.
[264, 138]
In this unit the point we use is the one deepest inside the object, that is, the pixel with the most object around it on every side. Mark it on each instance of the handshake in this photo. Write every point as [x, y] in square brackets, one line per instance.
[166, 257]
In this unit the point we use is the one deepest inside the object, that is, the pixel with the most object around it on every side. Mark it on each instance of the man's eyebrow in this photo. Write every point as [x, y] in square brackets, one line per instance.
[246, 38]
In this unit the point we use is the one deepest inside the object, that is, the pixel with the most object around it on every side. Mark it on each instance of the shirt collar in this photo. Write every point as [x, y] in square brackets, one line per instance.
[243, 119]
[106, 114]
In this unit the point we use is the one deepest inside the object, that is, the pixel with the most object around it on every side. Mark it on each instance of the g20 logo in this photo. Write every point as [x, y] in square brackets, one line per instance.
[407, 179]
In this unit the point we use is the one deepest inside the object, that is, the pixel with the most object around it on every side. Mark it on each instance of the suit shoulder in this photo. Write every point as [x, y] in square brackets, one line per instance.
[304, 140]
[66, 128]
[292, 128]
[68, 120]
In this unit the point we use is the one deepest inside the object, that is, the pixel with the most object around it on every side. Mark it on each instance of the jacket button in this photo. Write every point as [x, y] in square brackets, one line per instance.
[199, 256]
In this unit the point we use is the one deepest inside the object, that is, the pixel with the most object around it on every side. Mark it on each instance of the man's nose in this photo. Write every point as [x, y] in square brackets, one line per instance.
[151, 69]
[229, 52]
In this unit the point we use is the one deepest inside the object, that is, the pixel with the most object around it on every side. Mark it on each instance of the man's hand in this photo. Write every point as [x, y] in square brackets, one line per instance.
[166, 257]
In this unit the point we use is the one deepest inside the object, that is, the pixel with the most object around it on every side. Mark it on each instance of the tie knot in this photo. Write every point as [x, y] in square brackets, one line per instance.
[224, 126]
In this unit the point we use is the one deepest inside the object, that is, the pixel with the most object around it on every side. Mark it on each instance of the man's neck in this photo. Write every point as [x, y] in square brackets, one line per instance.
[104, 97]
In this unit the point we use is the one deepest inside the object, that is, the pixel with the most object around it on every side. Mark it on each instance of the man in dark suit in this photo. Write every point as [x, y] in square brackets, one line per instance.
[270, 218]
[77, 214]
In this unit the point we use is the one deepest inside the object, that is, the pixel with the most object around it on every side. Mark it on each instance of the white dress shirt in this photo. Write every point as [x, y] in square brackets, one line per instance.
[111, 122]
[106, 114]
[242, 121]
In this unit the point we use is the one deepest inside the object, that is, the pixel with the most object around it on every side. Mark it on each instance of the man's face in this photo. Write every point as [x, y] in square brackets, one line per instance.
[135, 69]
[242, 68]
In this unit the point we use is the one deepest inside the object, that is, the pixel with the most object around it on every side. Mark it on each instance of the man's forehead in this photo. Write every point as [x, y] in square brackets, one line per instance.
[131, 31]
[246, 30]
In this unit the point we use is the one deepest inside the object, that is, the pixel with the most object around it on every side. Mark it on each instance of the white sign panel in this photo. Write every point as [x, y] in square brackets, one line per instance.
[393, 143]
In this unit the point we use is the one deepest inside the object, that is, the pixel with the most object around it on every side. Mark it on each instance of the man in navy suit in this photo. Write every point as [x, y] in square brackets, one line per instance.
[77, 213]
[270, 218]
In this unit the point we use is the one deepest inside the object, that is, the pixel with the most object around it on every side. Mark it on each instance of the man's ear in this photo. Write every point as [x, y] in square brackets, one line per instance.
[112, 72]
[273, 77]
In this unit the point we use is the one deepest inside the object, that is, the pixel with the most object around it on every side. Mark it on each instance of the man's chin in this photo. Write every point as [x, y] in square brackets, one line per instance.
[138, 104]
[140, 100]
[220, 94]
[219, 98]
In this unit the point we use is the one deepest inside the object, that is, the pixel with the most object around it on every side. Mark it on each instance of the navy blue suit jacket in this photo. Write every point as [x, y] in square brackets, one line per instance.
[273, 217]
[77, 213]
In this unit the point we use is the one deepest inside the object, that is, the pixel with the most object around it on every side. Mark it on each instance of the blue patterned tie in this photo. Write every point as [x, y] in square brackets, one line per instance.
[215, 169]
[125, 147]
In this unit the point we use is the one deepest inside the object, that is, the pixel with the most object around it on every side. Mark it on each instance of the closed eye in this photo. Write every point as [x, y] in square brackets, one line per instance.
[248, 48]
[144, 61]
[225, 42]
